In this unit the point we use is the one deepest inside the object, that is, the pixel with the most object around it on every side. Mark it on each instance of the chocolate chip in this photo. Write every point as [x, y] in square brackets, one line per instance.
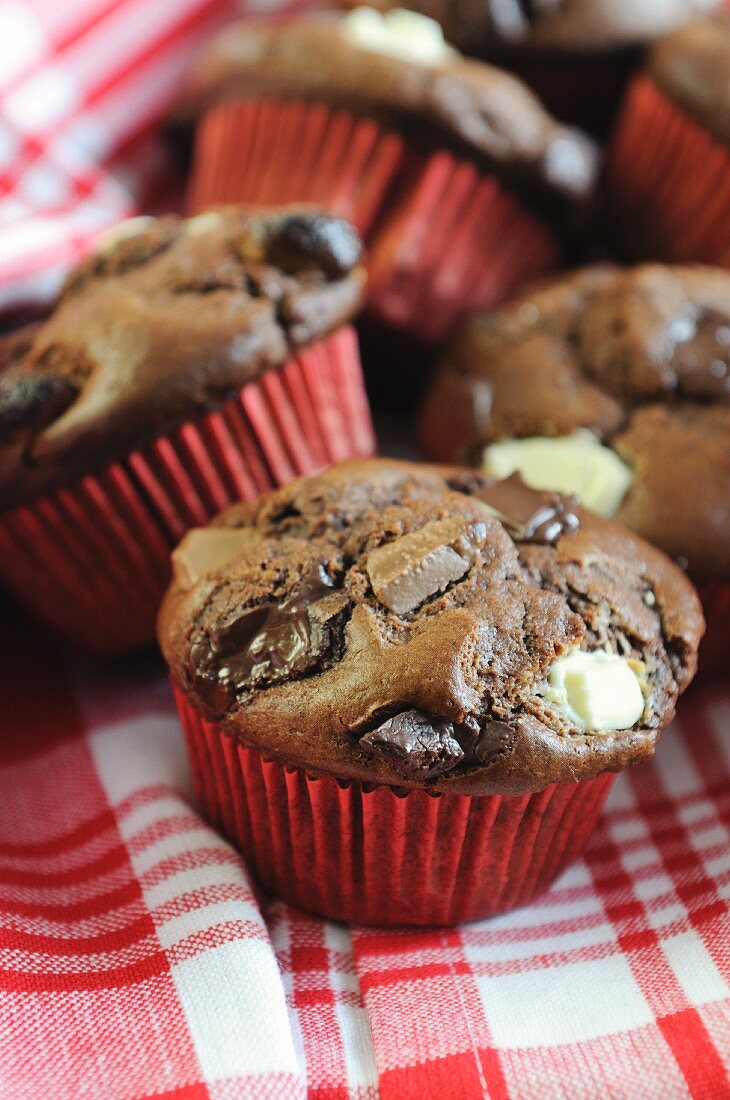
[416, 744]
[320, 240]
[530, 516]
[405, 572]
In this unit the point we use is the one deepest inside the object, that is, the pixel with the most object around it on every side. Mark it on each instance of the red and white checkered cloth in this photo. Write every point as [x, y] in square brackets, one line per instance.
[136, 961]
[135, 958]
[83, 85]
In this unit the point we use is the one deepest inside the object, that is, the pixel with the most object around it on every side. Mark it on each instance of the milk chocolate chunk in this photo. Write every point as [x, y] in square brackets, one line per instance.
[416, 744]
[530, 516]
[407, 571]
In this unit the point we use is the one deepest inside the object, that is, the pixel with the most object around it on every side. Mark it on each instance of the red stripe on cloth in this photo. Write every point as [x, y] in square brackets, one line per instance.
[71, 911]
[74, 838]
[458, 1077]
[118, 977]
[104, 864]
[696, 1054]
[137, 929]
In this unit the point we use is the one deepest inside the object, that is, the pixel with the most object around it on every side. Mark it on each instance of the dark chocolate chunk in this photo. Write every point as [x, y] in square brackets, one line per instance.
[530, 516]
[495, 739]
[270, 643]
[322, 241]
[416, 744]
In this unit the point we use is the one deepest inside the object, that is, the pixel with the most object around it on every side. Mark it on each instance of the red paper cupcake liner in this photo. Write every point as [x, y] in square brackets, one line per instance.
[444, 239]
[454, 243]
[373, 855]
[667, 182]
[269, 152]
[714, 656]
[92, 560]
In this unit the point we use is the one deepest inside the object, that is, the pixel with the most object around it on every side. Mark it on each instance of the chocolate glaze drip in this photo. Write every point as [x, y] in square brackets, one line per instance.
[530, 516]
[269, 643]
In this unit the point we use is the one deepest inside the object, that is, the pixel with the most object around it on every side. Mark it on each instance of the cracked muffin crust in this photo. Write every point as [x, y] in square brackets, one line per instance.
[439, 98]
[486, 27]
[638, 358]
[164, 321]
[420, 626]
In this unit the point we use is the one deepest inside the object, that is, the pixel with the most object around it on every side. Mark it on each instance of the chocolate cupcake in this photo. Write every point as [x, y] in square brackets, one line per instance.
[405, 689]
[187, 364]
[611, 383]
[462, 183]
[668, 172]
[576, 55]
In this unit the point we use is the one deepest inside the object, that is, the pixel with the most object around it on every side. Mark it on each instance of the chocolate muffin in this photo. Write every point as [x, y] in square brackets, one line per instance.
[186, 364]
[668, 172]
[553, 44]
[386, 623]
[402, 73]
[161, 323]
[607, 382]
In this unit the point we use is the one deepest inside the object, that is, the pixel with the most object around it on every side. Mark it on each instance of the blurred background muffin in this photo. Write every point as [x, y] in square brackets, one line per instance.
[186, 364]
[463, 185]
[668, 170]
[576, 54]
[613, 384]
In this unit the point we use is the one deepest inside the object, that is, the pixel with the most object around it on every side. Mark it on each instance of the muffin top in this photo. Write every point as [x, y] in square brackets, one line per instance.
[397, 68]
[414, 625]
[486, 27]
[692, 67]
[612, 383]
[166, 319]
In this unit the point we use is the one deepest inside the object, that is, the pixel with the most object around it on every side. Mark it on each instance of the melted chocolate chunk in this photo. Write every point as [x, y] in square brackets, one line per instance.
[530, 516]
[416, 744]
[325, 242]
[270, 643]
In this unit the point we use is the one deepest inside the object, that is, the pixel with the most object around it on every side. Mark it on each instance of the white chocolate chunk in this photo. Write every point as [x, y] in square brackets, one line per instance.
[130, 227]
[575, 463]
[398, 33]
[596, 691]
